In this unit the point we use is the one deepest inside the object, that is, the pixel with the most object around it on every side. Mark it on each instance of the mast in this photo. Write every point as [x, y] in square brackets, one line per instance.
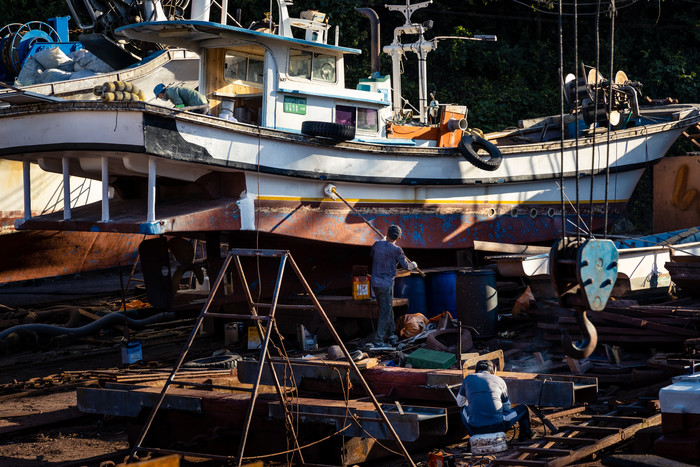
[421, 48]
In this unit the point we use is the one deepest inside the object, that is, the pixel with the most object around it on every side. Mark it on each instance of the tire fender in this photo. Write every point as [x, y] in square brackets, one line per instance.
[470, 144]
[337, 131]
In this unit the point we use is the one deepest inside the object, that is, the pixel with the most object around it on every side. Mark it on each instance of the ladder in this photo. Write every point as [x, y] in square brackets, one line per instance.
[265, 332]
[693, 137]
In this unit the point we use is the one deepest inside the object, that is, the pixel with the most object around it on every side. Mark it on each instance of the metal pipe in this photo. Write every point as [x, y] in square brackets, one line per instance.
[374, 47]
[633, 95]
[105, 189]
[224, 11]
[151, 209]
[66, 188]
[26, 180]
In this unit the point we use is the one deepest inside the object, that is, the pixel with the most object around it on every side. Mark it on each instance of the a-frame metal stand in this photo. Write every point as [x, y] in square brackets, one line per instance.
[285, 257]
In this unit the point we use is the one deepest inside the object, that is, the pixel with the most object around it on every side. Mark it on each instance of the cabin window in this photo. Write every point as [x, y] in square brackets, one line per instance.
[242, 68]
[361, 118]
[345, 115]
[367, 119]
[312, 66]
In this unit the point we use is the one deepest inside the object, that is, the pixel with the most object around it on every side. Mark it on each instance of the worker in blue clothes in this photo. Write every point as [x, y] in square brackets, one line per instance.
[386, 255]
[182, 97]
[486, 406]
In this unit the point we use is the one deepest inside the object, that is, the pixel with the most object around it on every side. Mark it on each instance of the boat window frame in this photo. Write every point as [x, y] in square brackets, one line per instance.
[354, 120]
[315, 68]
[249, 58]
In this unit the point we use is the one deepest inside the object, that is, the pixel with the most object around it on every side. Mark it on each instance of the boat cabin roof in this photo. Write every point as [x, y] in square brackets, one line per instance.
[197, 35]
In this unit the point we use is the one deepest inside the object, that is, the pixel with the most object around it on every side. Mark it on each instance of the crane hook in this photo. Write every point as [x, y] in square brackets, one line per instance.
[589, 342]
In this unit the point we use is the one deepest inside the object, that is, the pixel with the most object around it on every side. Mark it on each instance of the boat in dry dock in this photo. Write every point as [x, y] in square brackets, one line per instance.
[29, 68]
[286, 137]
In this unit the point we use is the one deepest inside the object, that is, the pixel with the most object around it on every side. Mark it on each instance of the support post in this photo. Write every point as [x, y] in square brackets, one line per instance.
[66, 189]
[151, 212]
[224, 11]
[27, 189]
[105, 190]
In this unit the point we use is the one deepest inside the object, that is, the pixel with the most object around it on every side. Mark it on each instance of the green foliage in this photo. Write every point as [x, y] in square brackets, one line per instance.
[24, 11]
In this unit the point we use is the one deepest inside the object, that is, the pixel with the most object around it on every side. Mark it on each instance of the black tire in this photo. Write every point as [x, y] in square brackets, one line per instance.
[470, 144]
[446, 340]
[224, 362]
[328, 130]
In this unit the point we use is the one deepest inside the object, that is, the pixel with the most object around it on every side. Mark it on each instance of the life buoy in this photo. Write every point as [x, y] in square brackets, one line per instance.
[328, 130]
[470, 144]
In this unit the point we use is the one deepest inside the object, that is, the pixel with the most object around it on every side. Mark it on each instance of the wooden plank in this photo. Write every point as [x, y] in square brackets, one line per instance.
[608, 418]
[510, 461]
[496, 356]
[22, 423]
[605, 442]
[551, 452]
[363, 364]
[590, 429]
[565, 440]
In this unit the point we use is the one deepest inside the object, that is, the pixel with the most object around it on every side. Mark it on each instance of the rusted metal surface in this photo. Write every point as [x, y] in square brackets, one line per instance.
[430, 385]
[31, 255]
[425, 226]
[583, 437]
[624, 324]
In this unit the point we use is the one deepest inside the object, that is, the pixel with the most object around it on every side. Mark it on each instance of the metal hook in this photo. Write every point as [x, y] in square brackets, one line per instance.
[589, 342]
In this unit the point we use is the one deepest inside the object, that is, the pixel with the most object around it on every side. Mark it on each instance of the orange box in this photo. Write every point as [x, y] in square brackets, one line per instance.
[360, 288]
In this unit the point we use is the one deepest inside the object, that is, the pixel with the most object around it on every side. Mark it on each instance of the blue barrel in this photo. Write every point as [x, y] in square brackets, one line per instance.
[441, 292]
[477, 300]
[411, 287]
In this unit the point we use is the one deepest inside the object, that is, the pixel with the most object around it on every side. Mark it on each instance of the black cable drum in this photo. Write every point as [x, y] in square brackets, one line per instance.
[477, 300]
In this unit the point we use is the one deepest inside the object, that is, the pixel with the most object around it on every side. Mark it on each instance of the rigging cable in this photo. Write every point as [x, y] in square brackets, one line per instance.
[595, 112]
[561, 124]
[578, 115]
[613, 12]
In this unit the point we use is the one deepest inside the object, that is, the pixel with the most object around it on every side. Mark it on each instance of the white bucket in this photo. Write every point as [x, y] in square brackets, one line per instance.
[488, 443]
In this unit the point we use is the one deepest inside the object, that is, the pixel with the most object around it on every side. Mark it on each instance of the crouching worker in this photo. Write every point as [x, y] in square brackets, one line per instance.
[486, 407]
[182, 97]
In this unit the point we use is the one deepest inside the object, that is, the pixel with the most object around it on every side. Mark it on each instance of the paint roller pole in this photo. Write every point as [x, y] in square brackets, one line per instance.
[332, 193]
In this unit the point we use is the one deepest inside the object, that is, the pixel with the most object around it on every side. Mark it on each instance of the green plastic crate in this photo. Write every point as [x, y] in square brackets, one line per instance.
[426, 358]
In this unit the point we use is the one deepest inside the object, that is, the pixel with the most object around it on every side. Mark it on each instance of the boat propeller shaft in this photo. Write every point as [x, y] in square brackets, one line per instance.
[587, 344]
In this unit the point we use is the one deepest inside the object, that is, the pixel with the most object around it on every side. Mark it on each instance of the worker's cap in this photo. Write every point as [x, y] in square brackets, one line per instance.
[484, 365]
[394, 232]
[159, 88]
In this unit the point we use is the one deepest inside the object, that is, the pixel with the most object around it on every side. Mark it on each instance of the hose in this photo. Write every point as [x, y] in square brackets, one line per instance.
[109, 320]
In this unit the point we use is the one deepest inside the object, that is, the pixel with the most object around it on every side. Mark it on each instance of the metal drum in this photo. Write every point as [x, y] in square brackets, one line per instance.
[412, 287]
[477, 300]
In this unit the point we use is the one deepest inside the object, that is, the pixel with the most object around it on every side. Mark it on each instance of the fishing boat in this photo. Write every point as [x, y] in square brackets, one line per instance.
[645, 263]
[31, 255]
[289, 152]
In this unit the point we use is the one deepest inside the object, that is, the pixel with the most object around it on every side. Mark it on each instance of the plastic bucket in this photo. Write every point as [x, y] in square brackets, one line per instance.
[441, 292]
[477, 300]
[131, 352]
[412, 287]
